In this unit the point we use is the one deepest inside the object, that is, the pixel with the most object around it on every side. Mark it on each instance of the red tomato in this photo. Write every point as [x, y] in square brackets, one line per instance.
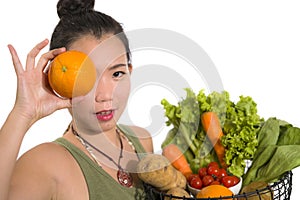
[215, 183]
[222, 173]
[229, 181]
[202, 172]
[236, 180]
[192, 176]
[213, 170]
[196, 182]
[207, 180]
[213, 164]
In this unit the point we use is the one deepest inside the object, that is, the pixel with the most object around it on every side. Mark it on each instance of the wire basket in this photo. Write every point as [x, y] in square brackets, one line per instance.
[280, 190]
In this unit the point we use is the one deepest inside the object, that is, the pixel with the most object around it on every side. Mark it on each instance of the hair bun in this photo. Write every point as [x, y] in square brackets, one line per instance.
[73, 7]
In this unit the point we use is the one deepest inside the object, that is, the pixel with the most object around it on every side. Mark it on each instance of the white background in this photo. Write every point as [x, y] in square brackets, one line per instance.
[255, 46]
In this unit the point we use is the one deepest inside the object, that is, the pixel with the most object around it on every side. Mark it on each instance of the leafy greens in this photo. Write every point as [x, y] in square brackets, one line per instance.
[240, 124]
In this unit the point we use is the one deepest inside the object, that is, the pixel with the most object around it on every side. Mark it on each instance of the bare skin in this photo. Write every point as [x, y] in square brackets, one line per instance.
[48, 171]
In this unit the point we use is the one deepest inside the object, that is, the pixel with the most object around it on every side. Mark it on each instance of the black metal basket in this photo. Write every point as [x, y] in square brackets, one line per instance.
[280, 190]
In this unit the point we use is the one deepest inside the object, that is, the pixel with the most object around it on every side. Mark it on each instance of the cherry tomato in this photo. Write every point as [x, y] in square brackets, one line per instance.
[215, 183]
[207, 180]
[213, 170]
[213, 164]
[229, 181]
[196, 182]
[192, 176]
[222, 173]
[202, 172]
[236, 180]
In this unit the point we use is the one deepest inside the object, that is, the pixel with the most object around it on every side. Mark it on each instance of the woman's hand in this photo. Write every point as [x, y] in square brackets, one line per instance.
[35, 99]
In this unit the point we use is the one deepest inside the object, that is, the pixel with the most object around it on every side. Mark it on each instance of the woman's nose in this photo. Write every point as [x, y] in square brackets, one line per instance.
[104, 91]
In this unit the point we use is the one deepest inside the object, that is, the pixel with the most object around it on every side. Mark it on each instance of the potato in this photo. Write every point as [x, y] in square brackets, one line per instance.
[266, 195]
[178, 181]
[181, 180]
[156, 170]
[178, 192]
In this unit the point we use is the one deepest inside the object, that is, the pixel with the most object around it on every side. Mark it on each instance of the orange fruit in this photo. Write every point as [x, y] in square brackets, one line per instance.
[72, 74]
[214, 191]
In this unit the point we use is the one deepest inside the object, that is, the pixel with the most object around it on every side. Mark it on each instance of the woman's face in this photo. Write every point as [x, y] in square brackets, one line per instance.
[102, 107]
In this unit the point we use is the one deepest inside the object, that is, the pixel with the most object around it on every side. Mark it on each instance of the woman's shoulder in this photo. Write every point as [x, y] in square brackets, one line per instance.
[45, 156]
[50, 159]
[144, 137]
[49, 149]
[49, 169]
[38, 169]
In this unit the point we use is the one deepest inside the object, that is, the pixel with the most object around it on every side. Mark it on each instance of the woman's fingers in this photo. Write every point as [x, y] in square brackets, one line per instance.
[48, 56]
[31, 56]
[30, 61]
[15, 58]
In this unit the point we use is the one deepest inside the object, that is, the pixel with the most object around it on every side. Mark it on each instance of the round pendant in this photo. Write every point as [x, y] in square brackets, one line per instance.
[124, 178]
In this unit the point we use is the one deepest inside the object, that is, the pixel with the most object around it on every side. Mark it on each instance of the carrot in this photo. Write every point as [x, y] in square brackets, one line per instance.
[177, 159]
[211, 125]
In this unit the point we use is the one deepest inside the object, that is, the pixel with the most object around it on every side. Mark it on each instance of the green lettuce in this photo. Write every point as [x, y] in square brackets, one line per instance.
[241, 126]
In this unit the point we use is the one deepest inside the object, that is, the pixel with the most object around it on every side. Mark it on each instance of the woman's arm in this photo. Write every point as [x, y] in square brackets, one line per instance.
[11, 136]
[33, 101]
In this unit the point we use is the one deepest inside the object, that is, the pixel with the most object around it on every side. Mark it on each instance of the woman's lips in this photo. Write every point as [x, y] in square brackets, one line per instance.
[105, 115]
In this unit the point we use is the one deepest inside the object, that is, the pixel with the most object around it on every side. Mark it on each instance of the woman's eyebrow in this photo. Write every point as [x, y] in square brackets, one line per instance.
[117, 66]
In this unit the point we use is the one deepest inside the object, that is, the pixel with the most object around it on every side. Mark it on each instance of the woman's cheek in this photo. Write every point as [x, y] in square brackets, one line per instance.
[83, 107]
[122, 91]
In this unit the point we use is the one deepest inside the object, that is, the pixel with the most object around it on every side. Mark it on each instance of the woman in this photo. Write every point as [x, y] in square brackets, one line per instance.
[95, 157]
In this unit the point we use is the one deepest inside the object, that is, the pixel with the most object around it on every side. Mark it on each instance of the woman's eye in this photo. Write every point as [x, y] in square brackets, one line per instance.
[118, 74]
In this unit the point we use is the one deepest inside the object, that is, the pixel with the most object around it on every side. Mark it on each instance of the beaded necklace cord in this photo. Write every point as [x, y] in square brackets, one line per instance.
[124, 177]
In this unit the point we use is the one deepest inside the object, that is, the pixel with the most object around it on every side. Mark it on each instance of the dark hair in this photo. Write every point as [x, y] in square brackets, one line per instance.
[78, 18]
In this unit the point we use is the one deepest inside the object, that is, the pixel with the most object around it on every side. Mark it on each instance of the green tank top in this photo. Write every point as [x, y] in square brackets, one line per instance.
[100, 184]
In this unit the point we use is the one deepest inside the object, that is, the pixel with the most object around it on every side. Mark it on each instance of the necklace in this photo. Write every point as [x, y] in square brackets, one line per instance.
[124, 177]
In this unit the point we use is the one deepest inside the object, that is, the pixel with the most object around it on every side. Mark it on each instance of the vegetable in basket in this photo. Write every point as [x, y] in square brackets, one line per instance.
[277, 153]
[177, 159]
[185, 133]
[157, 171]
[256, 186]
[176, 192]
[240, 124]
[213, 130]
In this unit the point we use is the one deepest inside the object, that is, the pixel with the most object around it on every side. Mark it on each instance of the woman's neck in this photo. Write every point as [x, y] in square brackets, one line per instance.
[101, 139]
